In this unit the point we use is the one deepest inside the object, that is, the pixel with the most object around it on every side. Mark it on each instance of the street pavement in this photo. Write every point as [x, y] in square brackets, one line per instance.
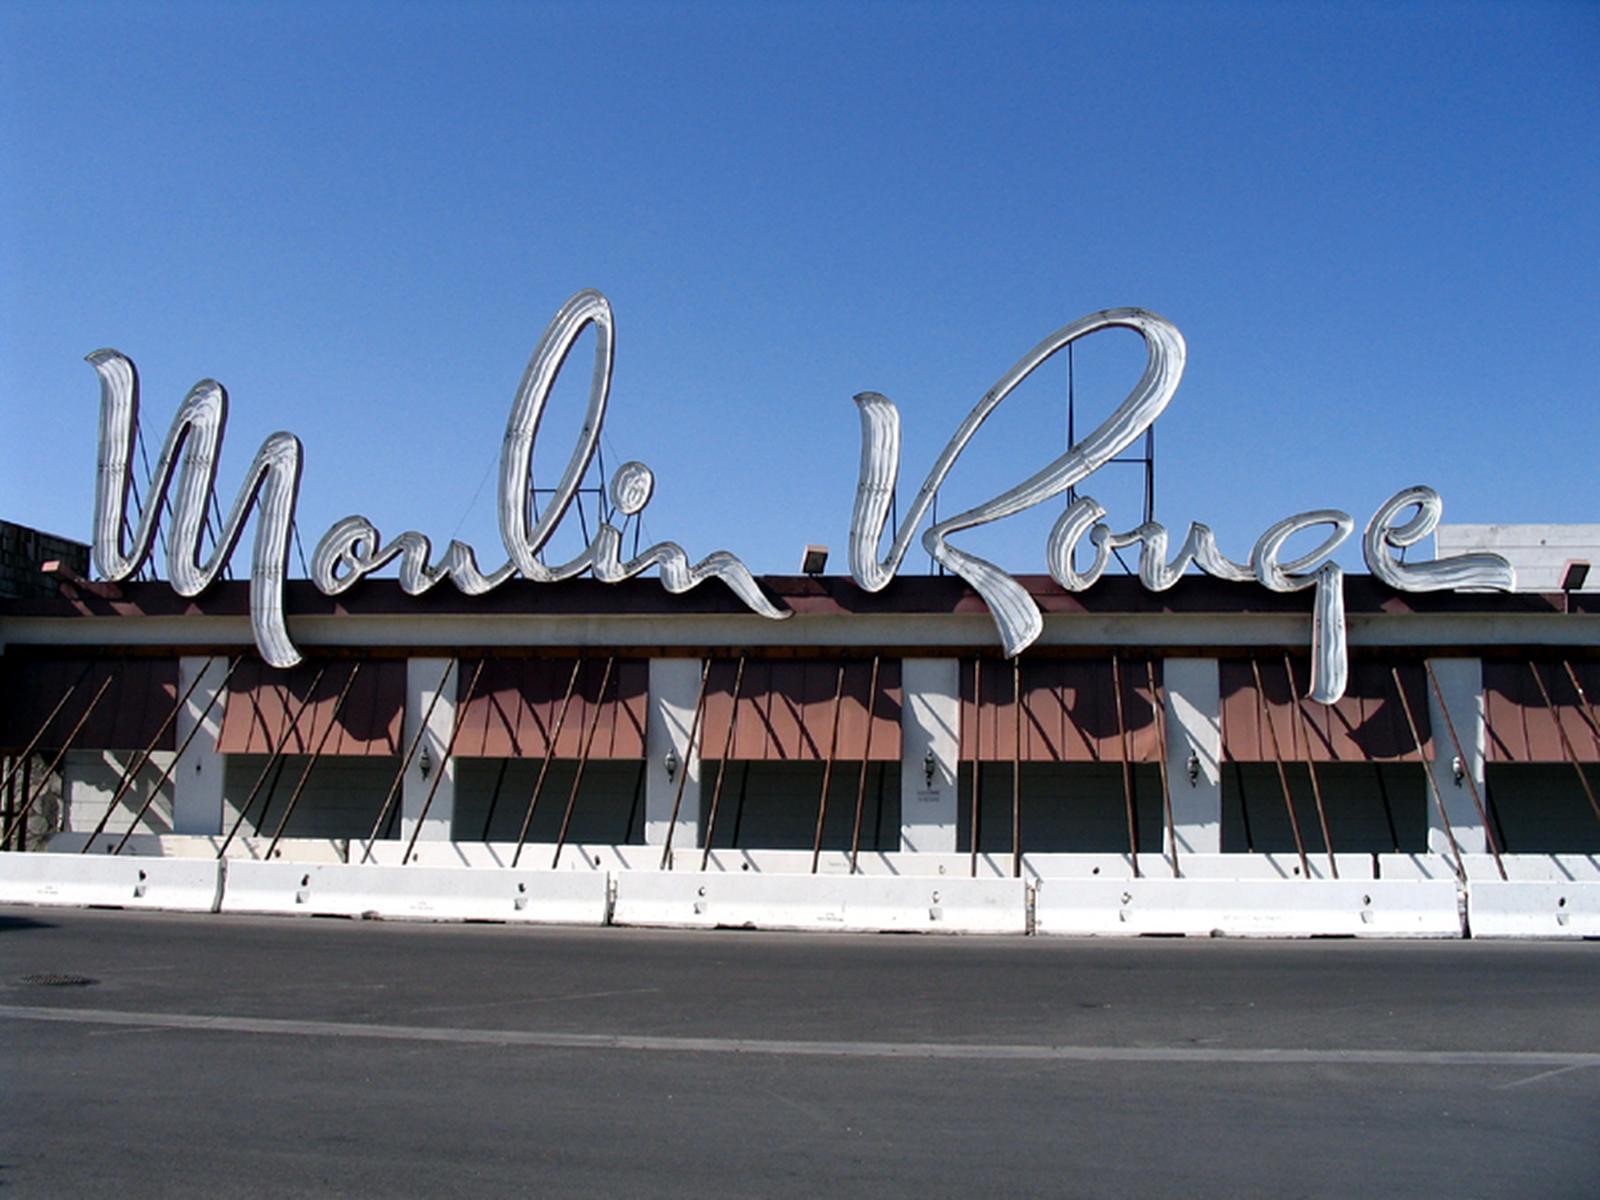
[229, 1056]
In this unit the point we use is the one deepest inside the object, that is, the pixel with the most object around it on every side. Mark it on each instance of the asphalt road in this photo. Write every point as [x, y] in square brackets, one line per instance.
[227, 1056]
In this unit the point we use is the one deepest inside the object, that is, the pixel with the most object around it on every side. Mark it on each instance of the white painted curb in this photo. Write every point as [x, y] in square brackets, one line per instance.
[1566, 909]
[177, 884]
[1248, 907]
[417, 893]
[858, 903]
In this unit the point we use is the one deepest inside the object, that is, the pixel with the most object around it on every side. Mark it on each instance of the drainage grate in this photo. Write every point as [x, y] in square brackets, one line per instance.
[53, 979]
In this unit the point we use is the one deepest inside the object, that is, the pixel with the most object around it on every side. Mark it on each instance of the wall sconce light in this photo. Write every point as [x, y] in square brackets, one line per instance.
[1192, 766]
[929, 763]
[670, 762]
[425, 763]
[1458, 770]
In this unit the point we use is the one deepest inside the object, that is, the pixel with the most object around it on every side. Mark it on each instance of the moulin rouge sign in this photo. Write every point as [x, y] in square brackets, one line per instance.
[353, 548]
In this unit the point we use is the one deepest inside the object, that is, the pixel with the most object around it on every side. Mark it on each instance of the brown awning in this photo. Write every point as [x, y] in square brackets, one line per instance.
[263, 700]
[1069, 711]
[141, 695]
[1367, 725]
[515, 707]
[1521, 728]
[786, 710]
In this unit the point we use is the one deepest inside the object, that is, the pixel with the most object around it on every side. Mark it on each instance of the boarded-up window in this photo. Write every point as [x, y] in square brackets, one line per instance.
[1069, 711]
[786, 710]
[1367, 725]
[295, 709]
[1522, 728]
[139, 695]
[514, 709]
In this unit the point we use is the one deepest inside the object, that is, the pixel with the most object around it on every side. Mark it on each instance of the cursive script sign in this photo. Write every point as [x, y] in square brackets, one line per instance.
[353, 547]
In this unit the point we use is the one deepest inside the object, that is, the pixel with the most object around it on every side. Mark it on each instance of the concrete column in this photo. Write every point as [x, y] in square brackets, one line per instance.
[424, 679]
[674, 688]
[1461, 682]
[930, 720]
[197, 779]
[1194, 727]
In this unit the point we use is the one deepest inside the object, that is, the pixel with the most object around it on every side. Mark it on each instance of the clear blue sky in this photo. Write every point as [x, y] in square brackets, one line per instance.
[1378, 226]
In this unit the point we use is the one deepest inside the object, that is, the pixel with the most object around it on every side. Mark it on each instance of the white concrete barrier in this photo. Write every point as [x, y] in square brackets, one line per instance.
[1248, 907]
[178, 884]
[418, 893]
[860, 903]
[1540, 909]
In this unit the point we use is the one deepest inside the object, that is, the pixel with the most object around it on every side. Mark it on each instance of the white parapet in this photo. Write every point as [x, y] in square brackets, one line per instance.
[176, 884]
[1526, 908]
[1248, 907]
[857, 903]
[417, 893]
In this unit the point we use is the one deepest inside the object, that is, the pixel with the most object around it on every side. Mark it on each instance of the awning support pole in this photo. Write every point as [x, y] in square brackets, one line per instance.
[683, 768]
[1158, 710]
[1311, 765]
[444, 759]
[827, 770]
[977, 754]
[866, 761]
[272, 761]
[1433, 784]
[1016, 769]
[722, 763]
[137, 762]
[1125, 756]
[494, 798]
[305, 775]
[583, 760]
[549, 756]
[405, 761]
[173, 765]
[1283, 774]
[1466, 770]
[33, 796]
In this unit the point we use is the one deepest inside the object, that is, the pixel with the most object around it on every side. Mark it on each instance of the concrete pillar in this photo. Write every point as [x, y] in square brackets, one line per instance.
[424, 679]
[1461, 682]
[197, 779]
[930, 721]
[1194, 727]
[674, 689]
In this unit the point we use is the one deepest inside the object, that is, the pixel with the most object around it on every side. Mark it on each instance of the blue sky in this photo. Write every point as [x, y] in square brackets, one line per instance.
[1377, 226]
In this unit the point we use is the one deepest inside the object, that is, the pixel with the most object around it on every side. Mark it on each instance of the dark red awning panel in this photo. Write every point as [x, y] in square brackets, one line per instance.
[1367, 725]
[140, 696]
[786, 710]
[262, 702]
[1069, 711]
[515, 707]
[1522, 728]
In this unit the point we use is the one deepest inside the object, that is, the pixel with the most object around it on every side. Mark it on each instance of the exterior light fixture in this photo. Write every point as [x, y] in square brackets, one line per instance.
[425, 762]
[1458, 770]
[814, 560]
[1193, 768]
[1574, 575]
[928, 765]
[670, 762]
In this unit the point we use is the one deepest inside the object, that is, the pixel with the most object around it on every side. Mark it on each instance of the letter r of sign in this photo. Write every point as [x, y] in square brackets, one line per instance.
[1015, 613]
